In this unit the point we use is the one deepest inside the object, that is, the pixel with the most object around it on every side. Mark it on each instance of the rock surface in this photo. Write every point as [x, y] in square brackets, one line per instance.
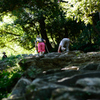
[70, 75]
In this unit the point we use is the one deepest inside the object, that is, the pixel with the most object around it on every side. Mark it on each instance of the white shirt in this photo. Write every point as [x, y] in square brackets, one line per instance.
[64, 41]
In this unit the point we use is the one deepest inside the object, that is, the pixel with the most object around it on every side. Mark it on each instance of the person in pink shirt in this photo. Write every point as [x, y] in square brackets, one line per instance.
[40, 45]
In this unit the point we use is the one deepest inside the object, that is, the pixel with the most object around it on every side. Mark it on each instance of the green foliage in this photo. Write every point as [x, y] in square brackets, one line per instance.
[87, 40]
[82, 9]
[10, 4]
[9, 76]
[7, 81]
[66, 18]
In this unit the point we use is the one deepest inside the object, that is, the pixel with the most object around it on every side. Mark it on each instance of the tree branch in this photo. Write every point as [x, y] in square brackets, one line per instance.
[10, 33]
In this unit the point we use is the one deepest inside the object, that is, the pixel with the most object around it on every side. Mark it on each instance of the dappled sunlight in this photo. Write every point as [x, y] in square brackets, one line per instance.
[8, 19]
[63, 79]
[54, 75]
[64, 89]
[70, 68]
[14, 69]
[44, 72]
[92, 53]
[14, 49]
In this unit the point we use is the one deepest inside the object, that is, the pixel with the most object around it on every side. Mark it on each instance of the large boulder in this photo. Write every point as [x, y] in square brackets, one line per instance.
[70, 75]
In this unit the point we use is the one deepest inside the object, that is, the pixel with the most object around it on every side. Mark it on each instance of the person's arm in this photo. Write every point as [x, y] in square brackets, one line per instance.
[59, 48]
[44, 41]
[6, 56]
[35, 45]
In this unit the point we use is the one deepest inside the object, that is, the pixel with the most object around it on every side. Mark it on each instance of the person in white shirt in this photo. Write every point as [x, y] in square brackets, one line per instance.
[64, 45]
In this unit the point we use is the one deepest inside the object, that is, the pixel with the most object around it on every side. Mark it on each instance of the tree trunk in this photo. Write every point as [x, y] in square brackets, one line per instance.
[99, 15]
[43, 34]
[66, 32]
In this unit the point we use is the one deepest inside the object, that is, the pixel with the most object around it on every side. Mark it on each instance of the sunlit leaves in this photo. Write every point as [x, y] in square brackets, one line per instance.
[56, 15]
[81, 9]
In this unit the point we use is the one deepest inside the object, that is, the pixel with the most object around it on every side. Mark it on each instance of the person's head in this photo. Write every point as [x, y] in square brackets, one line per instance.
[4, 52]
[38, 36]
